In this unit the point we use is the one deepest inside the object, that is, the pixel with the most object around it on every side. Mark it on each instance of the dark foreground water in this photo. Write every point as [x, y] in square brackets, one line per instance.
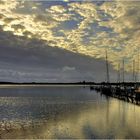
[65, 112]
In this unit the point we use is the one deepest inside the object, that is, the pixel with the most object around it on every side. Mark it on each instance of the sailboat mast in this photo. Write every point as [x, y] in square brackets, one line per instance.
[107, 68]
[123, 70]
[133, 70]
[138, 65]
[118, 73]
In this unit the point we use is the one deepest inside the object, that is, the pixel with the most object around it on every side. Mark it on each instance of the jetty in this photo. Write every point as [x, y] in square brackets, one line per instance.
[124, 91]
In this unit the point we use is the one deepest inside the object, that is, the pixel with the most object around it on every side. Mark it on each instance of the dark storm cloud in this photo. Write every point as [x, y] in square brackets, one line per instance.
[23, 59]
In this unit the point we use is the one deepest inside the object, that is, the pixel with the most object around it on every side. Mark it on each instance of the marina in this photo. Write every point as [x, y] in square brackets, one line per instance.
[127, 91]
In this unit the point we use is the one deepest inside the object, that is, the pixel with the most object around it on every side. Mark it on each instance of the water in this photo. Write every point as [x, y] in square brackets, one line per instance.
[65, 112]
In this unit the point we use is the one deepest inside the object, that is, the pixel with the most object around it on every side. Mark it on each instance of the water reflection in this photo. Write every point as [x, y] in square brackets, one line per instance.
[73, 113]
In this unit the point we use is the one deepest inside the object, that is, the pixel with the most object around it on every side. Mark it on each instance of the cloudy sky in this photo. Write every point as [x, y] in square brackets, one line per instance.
[52, 41]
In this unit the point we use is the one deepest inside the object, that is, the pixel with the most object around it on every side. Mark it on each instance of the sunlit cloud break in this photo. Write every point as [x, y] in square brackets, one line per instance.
[83, 27]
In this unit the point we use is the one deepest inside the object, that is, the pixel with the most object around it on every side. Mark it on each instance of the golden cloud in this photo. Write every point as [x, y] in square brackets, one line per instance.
[112, 25]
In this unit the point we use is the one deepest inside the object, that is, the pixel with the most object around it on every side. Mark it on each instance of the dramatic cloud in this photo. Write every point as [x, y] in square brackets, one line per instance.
[85, 28]
[124, 21]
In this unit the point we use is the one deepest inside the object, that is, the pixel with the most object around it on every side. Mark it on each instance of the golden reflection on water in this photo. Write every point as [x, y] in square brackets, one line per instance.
[111, 118]
[65, 112]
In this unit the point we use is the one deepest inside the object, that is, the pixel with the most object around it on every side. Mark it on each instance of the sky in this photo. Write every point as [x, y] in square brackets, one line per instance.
[65, 41]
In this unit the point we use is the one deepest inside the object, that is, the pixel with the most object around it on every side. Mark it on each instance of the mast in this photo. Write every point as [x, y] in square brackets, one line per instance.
[118, 73]
[138, 66]
[134, 71]
[107, 68]
[123, 70]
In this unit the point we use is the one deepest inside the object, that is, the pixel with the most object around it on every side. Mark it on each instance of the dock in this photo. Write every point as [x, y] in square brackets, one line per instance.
[129, 92]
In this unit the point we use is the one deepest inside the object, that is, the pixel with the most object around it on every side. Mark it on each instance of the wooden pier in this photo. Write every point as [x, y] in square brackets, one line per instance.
[124, 91]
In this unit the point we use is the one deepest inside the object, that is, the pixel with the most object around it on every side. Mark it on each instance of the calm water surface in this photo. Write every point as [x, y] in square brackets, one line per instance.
[65, 112]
